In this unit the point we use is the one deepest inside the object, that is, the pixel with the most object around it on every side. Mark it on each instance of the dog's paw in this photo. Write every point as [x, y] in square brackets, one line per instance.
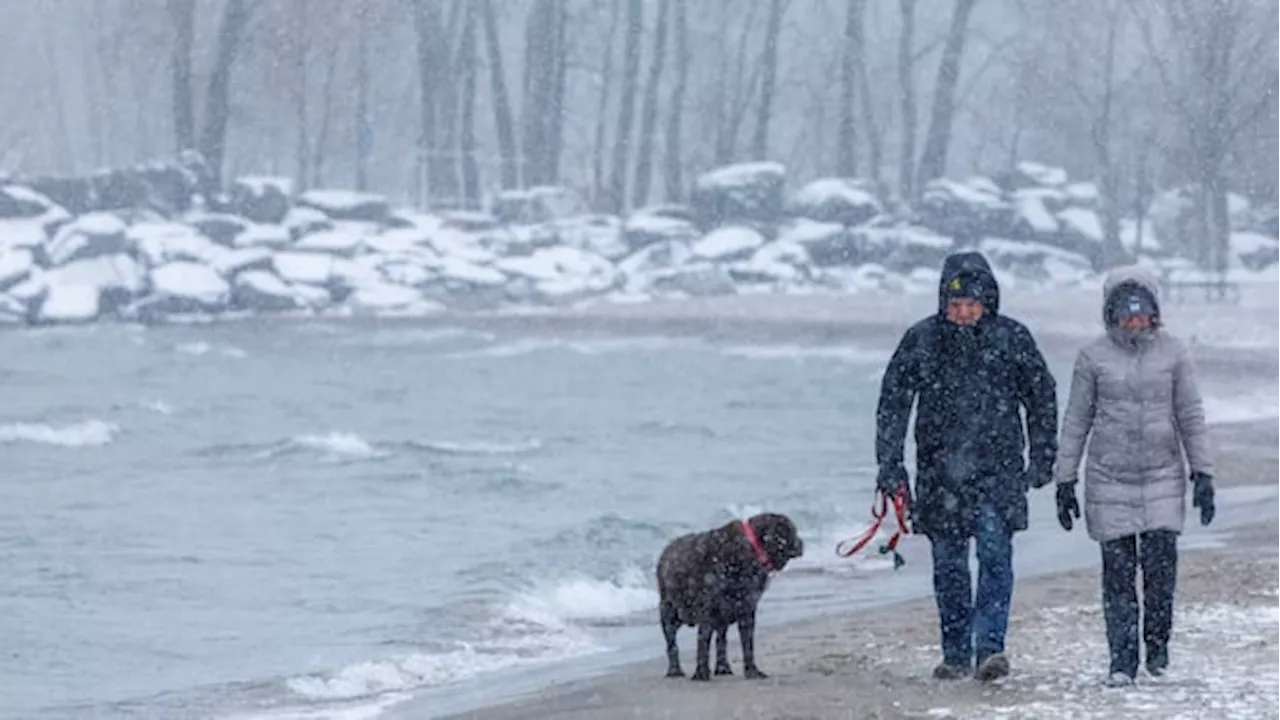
[754, 673]
[724, 669]
[675, 672]
[702, 674]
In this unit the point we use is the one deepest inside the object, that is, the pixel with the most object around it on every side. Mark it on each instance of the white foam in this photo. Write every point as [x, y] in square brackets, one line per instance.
[585, 600]
[842, 353]
[365, 710]
[159, 406]
[479, 447]
[339, 443]
[89, 433]
[201, 347]
[1247, 408]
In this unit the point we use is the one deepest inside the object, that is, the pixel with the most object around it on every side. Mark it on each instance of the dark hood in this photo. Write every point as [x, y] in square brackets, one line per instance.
[971, 263]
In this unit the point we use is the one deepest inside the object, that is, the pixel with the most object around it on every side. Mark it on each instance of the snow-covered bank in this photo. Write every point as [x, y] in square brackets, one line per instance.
[266, 249]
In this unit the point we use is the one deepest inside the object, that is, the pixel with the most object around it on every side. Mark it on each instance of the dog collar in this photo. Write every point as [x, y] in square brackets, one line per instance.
[754, 539]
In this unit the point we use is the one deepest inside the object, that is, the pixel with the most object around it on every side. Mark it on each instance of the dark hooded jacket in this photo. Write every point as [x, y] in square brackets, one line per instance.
[970, 384]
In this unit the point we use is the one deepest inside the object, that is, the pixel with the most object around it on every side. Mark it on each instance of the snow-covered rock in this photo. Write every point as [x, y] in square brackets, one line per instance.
[264, 291]
[301, 221]
[740, 193]
[600, 234]
[641, 267]
[162, 242]
[16, 265]
[1253, 251]
[536, 205]
[825, 243]
[261, 199]
[903, 247]
[1034, 261]
[88, 236]
[347, 205]
[453, 243]
[29, 233]
[777, 262]
[966, 211]
[231, 263]
[222, 228]
[333, 242]
[693, 280]
[727, 243]
[307, 268]
[644, 228]
[266, 236]
[20, 201]
[181, 288]
[1034, 173]
[388, 299]
[1032, 217]
[68, 304]
[844, 201]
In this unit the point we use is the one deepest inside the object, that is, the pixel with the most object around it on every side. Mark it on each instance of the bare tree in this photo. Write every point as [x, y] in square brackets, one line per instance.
[364, 139]
[907, 100]
[933, 161]
[769, 62]
[1206, 81]
[851, 53]
[182, 14]
[300, 42]
[649, 110]
[602, 110]
[616, 198]
[503, 121]
[468, 61]
[217, 106]
[672, 156]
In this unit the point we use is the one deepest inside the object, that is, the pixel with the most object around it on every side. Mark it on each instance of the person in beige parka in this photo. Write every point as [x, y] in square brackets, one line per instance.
[1135, 402]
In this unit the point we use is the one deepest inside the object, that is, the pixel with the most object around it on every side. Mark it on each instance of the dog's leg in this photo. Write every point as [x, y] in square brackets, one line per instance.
[671, 625]
[722, 652]
[747, 633]
[703, 670]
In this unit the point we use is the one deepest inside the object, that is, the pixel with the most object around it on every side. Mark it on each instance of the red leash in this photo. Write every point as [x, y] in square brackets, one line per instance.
[853, 545]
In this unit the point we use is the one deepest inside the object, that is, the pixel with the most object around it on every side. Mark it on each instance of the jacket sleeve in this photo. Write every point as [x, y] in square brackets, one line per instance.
[898, 389]
[1188, 408]
[1077, 422]
[1037, 391]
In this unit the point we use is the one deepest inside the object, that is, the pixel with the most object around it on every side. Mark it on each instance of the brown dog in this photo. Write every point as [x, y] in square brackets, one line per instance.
[714, 579]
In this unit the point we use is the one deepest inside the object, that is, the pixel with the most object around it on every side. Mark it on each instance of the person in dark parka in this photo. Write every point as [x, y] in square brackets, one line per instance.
[973, 372]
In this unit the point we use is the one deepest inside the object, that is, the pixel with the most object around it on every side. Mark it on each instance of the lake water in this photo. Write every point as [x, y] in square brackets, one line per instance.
[317, 520]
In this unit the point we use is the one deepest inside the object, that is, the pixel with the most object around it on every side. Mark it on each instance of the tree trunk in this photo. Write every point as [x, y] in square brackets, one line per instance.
[875, 138]
[445, 187]
[933, 161]
[907, 98]
[852, 57]
[217, 106]
[649, 112]
[301, 45]
[426, 19]
[539, 50]
[182, 13]
[560, 75]
[364, 134]
[468, 62]
[672, 156]
[503, 121]
[760, 143]
[617, 198]
[602, 109]
[326, 114]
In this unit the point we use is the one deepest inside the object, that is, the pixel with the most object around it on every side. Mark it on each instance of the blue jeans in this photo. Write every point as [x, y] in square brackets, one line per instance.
[970, 623]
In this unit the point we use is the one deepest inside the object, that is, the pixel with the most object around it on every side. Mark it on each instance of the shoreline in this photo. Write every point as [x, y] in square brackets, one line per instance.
[877, 665]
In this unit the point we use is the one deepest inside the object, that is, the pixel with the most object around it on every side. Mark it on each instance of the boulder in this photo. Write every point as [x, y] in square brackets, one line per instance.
[88, 236]
[347, 205]
[744, 193]
[261, 199]
[843, 201]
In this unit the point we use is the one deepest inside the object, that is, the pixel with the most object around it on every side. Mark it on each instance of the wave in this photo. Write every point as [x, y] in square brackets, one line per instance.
[842, 353]
[88, 433]
[585, 600]
[345, 445]
[476, 447]
[601, 346]
[201, 347]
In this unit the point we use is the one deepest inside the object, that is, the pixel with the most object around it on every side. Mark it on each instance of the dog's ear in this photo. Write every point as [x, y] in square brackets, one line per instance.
[779, 536]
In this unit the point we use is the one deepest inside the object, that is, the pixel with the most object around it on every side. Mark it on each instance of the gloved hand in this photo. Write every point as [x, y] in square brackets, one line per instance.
[1067, 505]
[1039, 475]
[891, 478]
[1202, 497]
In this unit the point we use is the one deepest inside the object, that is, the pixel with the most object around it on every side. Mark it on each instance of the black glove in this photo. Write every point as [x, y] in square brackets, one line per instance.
[1202, 497]
[891, 478]
[1067, 505]
[1039, 475]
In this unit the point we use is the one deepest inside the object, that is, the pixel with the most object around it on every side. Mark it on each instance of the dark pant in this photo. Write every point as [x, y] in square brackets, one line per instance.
[1157, 552]
[970, 622]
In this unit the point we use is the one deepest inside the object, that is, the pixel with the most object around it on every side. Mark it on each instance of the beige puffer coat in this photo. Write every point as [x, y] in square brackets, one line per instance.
[1136, 404]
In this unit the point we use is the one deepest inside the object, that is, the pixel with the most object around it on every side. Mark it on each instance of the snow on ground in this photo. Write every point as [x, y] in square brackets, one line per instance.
[1223, 664]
